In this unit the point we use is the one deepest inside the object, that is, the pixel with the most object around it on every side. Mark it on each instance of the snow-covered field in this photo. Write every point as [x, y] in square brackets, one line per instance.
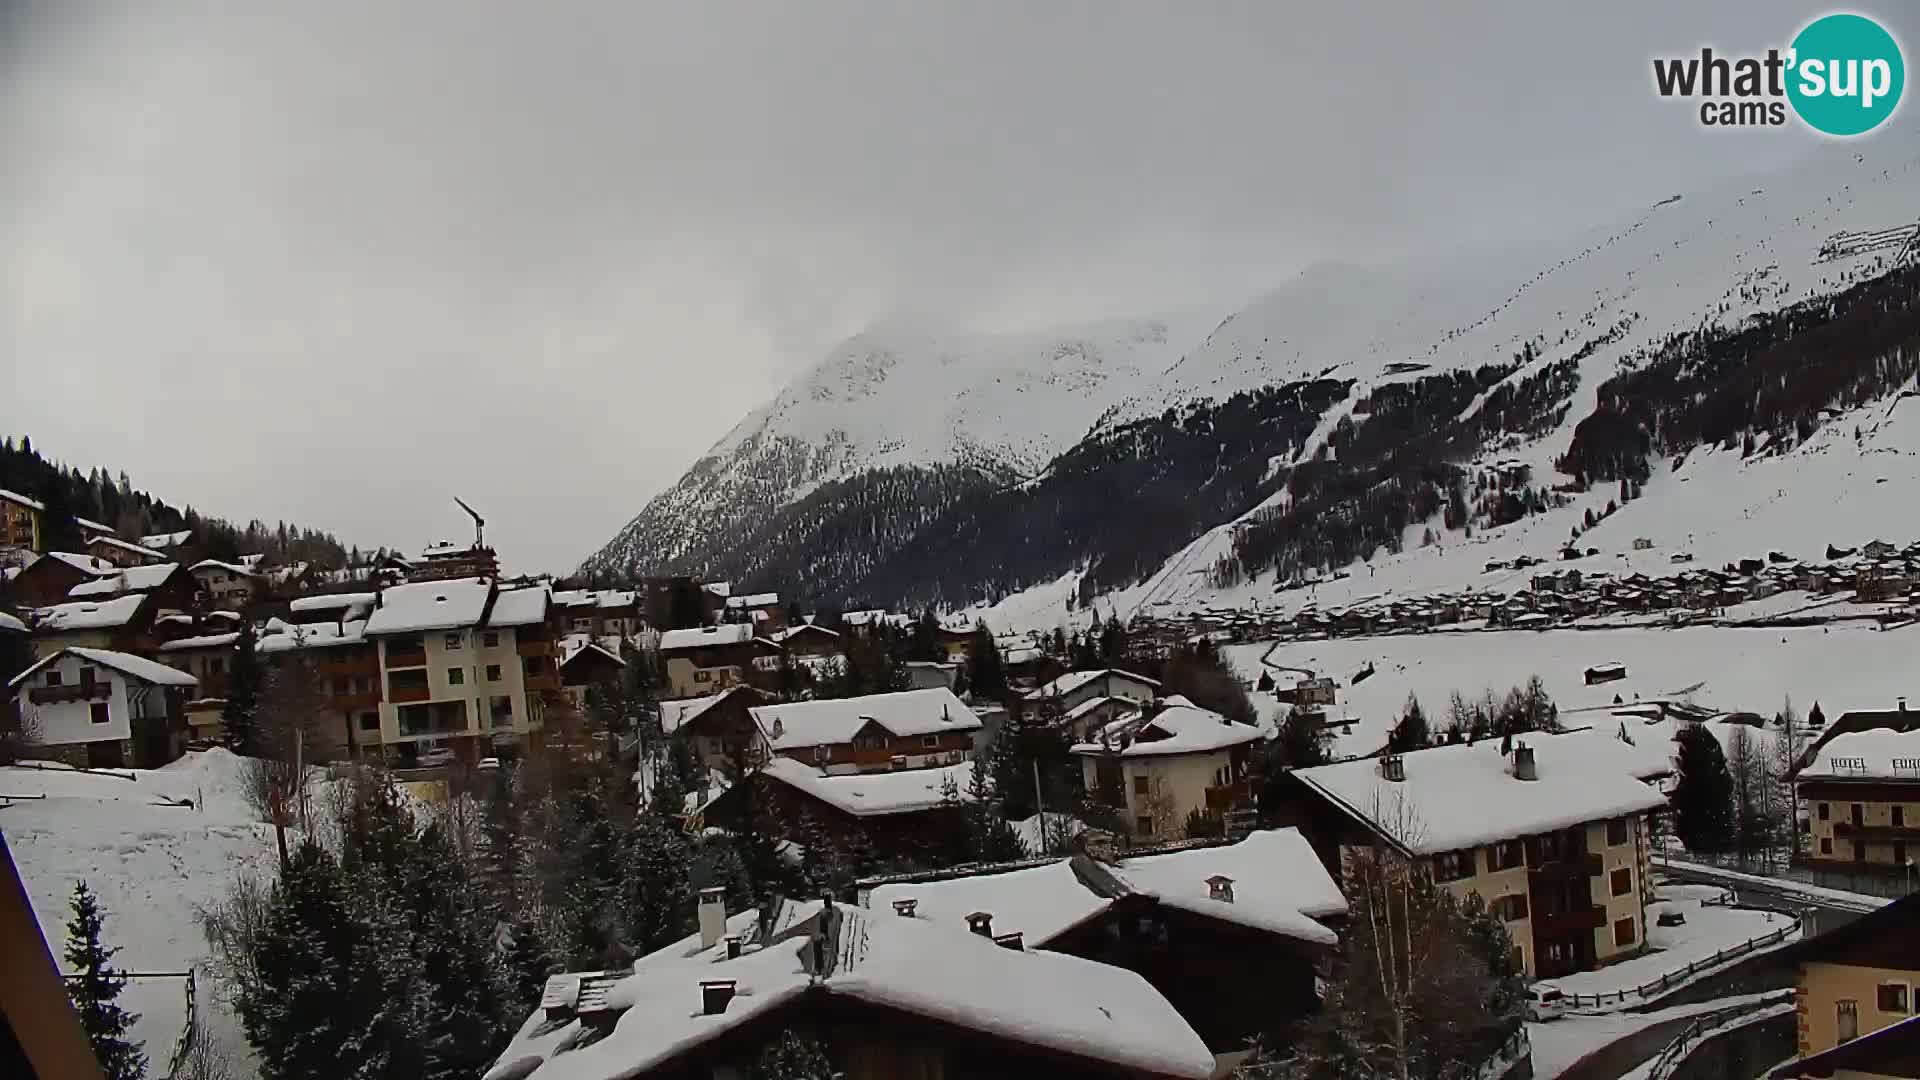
[1850, 666]
[155, 846]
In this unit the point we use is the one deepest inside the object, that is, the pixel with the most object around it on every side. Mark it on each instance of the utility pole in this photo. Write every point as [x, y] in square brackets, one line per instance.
[1040, 805]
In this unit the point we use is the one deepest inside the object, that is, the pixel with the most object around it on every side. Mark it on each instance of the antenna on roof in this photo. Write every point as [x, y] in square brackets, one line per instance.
[479, 523]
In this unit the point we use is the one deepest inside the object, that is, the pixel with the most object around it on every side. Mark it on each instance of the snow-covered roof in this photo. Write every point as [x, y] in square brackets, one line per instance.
[115, 542]
[1045, 1000]
[781, 636]
[11, 625]
[1094, 703]
[430, 605]
[679, 712]
[85, 563]
[600, 598]
[695, 637]
[1074, 680]
[21, 500]
[202, 641]
[1181, 727]
[831, 721]
[1279, 885]
[1867, 755]
[283, 637]
[130, 579]
[330, 601]
[92, 526]
[718, 588]
[139, 667]
[519, 607]
[89, 614]
[753, 600]
[1466, 795]
[862, 618]
[872, 794]
[574, 646]
[166, 539]
[241, 569]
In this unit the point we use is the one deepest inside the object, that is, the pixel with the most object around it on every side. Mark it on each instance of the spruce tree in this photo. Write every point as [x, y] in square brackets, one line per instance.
[528, 964]
[1411, 733]
[309, 1012]
[95, 989]
[461, 1006]
[986, 675]
[1703, 795]
[240, 719]
[659, 900]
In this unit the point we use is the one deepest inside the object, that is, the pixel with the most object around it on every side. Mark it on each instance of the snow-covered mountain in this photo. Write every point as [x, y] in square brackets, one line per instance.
[903, 396]
[1314, 426]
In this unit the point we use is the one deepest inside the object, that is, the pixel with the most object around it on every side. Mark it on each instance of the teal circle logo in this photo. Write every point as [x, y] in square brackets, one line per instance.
[1846, 74]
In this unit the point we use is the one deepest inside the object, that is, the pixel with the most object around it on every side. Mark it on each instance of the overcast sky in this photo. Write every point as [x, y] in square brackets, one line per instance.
[337, 262]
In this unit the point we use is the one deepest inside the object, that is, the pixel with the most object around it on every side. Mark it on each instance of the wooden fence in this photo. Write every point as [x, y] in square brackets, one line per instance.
[183, 1042]
[1656, 987]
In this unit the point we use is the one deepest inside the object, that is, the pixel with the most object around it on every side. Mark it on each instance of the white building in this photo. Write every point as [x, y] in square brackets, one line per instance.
[103, 708]
[1158, 768]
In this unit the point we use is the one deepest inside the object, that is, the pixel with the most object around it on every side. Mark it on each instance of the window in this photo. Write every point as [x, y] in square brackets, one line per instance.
[1511, 908]
[87, 675]
[491, 640]
[53, 678]
[1623, 934]
[215, 665]
[342, 685]
[493, 672]
[1622, 881]
[1143, 825]
[1846, 1018]
[1859, 815]
[699, 674]
[1826, 845]
[369, 721]
[98, 712]
[453, 641]
[1452, 865]
[500, 709]
[455, 676]
[929, 742]
[1893, 998]
[1823, 811]
[1899, 816]
[1617, 832]
[1139, 784]
[1506, 856]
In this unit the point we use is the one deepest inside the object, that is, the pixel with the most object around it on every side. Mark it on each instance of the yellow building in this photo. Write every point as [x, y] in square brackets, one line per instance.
[1854, 998]
[1155, 768]
[1862, 793]
[1552, 834]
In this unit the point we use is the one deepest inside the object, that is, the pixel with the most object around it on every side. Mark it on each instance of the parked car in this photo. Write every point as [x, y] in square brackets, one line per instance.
[439, 755]
[1546, 1002]
[487, 764]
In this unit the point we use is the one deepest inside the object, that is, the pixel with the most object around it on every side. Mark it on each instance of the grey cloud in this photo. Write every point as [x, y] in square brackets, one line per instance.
[335, 263]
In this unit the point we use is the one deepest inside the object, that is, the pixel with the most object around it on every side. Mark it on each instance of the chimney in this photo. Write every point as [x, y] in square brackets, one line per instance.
[1523, 766]
[1393, 768]
[1220, 887]
[713, 916]
[981, 922]
[715, 994]
[733, 946]
[904, 907]
[1010, 941]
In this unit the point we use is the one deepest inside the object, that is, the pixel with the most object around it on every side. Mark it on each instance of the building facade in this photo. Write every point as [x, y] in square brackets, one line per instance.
[1862, 793]
[102, 708]
[20, 519]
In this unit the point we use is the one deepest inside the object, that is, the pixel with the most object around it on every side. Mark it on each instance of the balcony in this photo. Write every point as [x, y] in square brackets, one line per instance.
[1909, 831]
[403, 694]
[1564, 923]
[1569, 866]
[404, 658]
[55, 695]
[533, 647]
[545, 681]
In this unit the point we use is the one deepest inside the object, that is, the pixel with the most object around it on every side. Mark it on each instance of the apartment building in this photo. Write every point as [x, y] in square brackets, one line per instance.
[599, 612]
[1551, 833]
[1854, 1002]
[20, 521]
[343, 667]
[1862, 793]
[1159, 765]
[226, 585]
[464, 665]
[123, 624]
[707, 659]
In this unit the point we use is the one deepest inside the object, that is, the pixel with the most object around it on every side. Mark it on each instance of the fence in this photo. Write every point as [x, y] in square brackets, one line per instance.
[1672, 979]
[1690, 1037]
[183, 1042]
[1891, 884]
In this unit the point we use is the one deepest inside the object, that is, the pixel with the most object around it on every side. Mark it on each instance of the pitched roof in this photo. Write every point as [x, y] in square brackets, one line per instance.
[753, 600]
[1881, 754]
[330, 601]
[1279, 886]
[1074, 680]
[166, 539]
[903, 791]
[677, 713]
[202, 641]
[86, 564]
[430, 605]
[520, 607]
[1180, 728]
[138, 667]
[126, 580]
[215, 564]
[22, 500]
[281, 637]
[89, 614]
[1048, 1001]
[114, 541]
[695, 637]
[904, 713]
[1466, 795]
[781, 636]
[11, 625]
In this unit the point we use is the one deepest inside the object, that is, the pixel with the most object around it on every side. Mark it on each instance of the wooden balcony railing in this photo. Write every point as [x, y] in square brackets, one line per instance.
[54, 695]
[399, 658]
[404, 694]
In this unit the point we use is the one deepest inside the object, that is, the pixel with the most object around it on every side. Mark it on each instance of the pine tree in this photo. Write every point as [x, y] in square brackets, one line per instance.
[240, 719]
[461, 1007]
[659, 901]
[1703, 795]
[986, 675]
[1411, 732]
[528, 964]
[95, 989]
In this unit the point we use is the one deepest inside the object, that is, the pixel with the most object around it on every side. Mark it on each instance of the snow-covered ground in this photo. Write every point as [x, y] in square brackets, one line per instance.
[155, 846]
[1557, 1044]
[1708, 930]
[1850, 666]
